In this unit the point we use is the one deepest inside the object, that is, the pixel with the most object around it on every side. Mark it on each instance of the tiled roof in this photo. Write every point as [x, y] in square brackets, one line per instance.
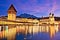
[11, 8]
[44, 18]
[56, 18]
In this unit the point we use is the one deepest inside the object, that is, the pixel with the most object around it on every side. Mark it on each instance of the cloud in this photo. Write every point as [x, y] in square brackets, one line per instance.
[38, 6]
[34, 6]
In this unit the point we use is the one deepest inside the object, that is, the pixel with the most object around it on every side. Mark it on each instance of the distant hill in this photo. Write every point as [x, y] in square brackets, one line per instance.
[27, 16]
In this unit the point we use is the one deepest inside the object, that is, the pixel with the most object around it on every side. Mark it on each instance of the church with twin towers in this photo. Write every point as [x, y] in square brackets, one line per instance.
[44, 24]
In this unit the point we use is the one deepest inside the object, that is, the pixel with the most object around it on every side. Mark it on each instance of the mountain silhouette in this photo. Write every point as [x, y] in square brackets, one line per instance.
[25, 15]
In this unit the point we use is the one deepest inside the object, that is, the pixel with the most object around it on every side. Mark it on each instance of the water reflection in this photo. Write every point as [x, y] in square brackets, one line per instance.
[28, 33]
[3, 38]
[37, 36]
[57, 36]
[19, 36]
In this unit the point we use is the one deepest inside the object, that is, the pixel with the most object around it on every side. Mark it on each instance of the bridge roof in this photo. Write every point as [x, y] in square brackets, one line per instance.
[56, 18]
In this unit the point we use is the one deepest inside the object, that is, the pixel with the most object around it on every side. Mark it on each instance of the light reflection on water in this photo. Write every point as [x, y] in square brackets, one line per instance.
[31, 36]
[37, 36]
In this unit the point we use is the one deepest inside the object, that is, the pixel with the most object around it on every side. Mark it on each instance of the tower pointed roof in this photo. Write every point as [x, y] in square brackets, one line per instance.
[12, 8]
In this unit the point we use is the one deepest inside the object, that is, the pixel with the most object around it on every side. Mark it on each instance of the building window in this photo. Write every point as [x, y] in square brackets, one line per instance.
[6, 27]
[0, 28]
[44, 23]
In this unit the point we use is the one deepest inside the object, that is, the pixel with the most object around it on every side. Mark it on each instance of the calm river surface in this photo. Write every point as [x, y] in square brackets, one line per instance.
[29, 36]
[36, 36]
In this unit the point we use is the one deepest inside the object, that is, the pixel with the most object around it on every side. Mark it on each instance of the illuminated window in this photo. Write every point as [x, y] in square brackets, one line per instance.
[6, 27]
[0, 28]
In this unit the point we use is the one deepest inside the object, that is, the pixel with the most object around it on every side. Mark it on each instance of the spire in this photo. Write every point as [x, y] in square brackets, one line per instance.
[51, 14]
[11, 8]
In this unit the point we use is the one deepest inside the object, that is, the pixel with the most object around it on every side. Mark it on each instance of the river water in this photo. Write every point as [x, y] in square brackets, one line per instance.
[38, 36]
[30, 36]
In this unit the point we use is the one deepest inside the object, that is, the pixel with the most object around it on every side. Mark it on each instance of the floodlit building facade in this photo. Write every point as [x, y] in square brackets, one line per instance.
[43, 24]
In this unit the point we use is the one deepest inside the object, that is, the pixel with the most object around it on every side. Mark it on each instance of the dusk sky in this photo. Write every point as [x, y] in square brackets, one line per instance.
[34, 7]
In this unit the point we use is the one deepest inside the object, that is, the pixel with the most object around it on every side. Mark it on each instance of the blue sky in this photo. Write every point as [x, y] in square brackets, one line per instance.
[34, 7]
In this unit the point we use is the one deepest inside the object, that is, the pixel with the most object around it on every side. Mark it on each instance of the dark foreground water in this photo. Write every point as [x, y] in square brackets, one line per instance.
[36, 36]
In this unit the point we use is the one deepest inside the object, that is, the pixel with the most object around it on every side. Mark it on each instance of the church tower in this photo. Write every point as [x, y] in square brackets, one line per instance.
[51, 18]
[12, 13]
